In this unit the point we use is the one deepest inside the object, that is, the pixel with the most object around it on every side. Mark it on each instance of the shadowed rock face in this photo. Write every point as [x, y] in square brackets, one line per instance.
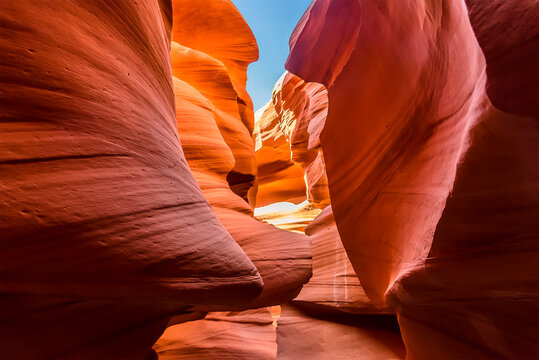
[305, 334]
[331, 317]
[104, 229]
[508, 33]
[244, 335]
[434, 190]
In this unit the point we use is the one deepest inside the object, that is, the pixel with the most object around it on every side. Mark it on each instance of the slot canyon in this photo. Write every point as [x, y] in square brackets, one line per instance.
[382, 204]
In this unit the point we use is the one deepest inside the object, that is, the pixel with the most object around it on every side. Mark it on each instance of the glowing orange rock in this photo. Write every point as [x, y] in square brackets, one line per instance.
[223, 37]
[216, 138]
[290, 164]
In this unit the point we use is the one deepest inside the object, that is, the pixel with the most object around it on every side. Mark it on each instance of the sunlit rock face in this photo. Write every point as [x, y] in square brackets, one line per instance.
[131, 164]
[290, 164]
[433, 189]
[104, 229]
[211, 48]
[208, 80]
[332, 313]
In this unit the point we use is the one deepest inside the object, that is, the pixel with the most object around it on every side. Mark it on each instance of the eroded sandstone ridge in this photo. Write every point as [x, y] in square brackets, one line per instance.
[215, 122]
[331, 316]
[106, 233]
[399, 150]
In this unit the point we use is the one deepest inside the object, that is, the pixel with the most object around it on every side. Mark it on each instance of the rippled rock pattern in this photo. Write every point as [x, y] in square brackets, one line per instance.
[215, 123]
[433, 189]
[290, 164]
[103, 224]
[399, 150]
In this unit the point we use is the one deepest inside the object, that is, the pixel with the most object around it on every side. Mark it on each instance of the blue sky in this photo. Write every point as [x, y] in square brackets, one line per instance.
[272, 23]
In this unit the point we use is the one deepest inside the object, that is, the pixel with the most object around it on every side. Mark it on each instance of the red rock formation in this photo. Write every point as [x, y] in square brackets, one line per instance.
[287, 133]
[213, 127]
[214, 115]
[103, 225]
[332, 317]
[507, 32]
[334, 285]
[224, 39]
[279, 178]
[129, 175]
[408, 124]
[290, 164]
[244, 335]
[304, 335]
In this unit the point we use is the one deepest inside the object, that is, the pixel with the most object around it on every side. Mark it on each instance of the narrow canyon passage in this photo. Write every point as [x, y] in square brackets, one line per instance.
[382, 204]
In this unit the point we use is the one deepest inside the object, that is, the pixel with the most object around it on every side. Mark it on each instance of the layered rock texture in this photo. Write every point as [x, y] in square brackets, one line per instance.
[106, 233]
[215, 122]
[290, 163]
[434, 190]
[331, 317]
[394, 172]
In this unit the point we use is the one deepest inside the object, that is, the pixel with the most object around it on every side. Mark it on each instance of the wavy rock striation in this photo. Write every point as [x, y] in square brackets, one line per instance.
[207, 85]
[245, 335]
[331, 315]
[96, 192]
[432, 187]
[290, 163]
[211, 48]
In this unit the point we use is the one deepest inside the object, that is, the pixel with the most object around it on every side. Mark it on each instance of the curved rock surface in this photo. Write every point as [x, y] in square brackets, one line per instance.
[334, 285]
[431, 187]
[290, 164]
[214, 115]
[303, 334]
[243, 335]
[213, 125]
[131, 163]
[508, 33]
[96, 192]
[223, 39]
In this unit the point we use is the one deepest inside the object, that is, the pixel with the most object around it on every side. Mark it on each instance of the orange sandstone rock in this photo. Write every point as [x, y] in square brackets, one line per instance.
[302, 334]
[334, 285]
[290, 164]
[242, 335]
[216, 139]
[217, 30]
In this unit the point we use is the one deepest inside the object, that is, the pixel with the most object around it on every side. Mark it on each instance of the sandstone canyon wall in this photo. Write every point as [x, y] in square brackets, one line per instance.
[399, 150]
[215, 122]
[434, 190]
[331, 317]
[106, 232]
